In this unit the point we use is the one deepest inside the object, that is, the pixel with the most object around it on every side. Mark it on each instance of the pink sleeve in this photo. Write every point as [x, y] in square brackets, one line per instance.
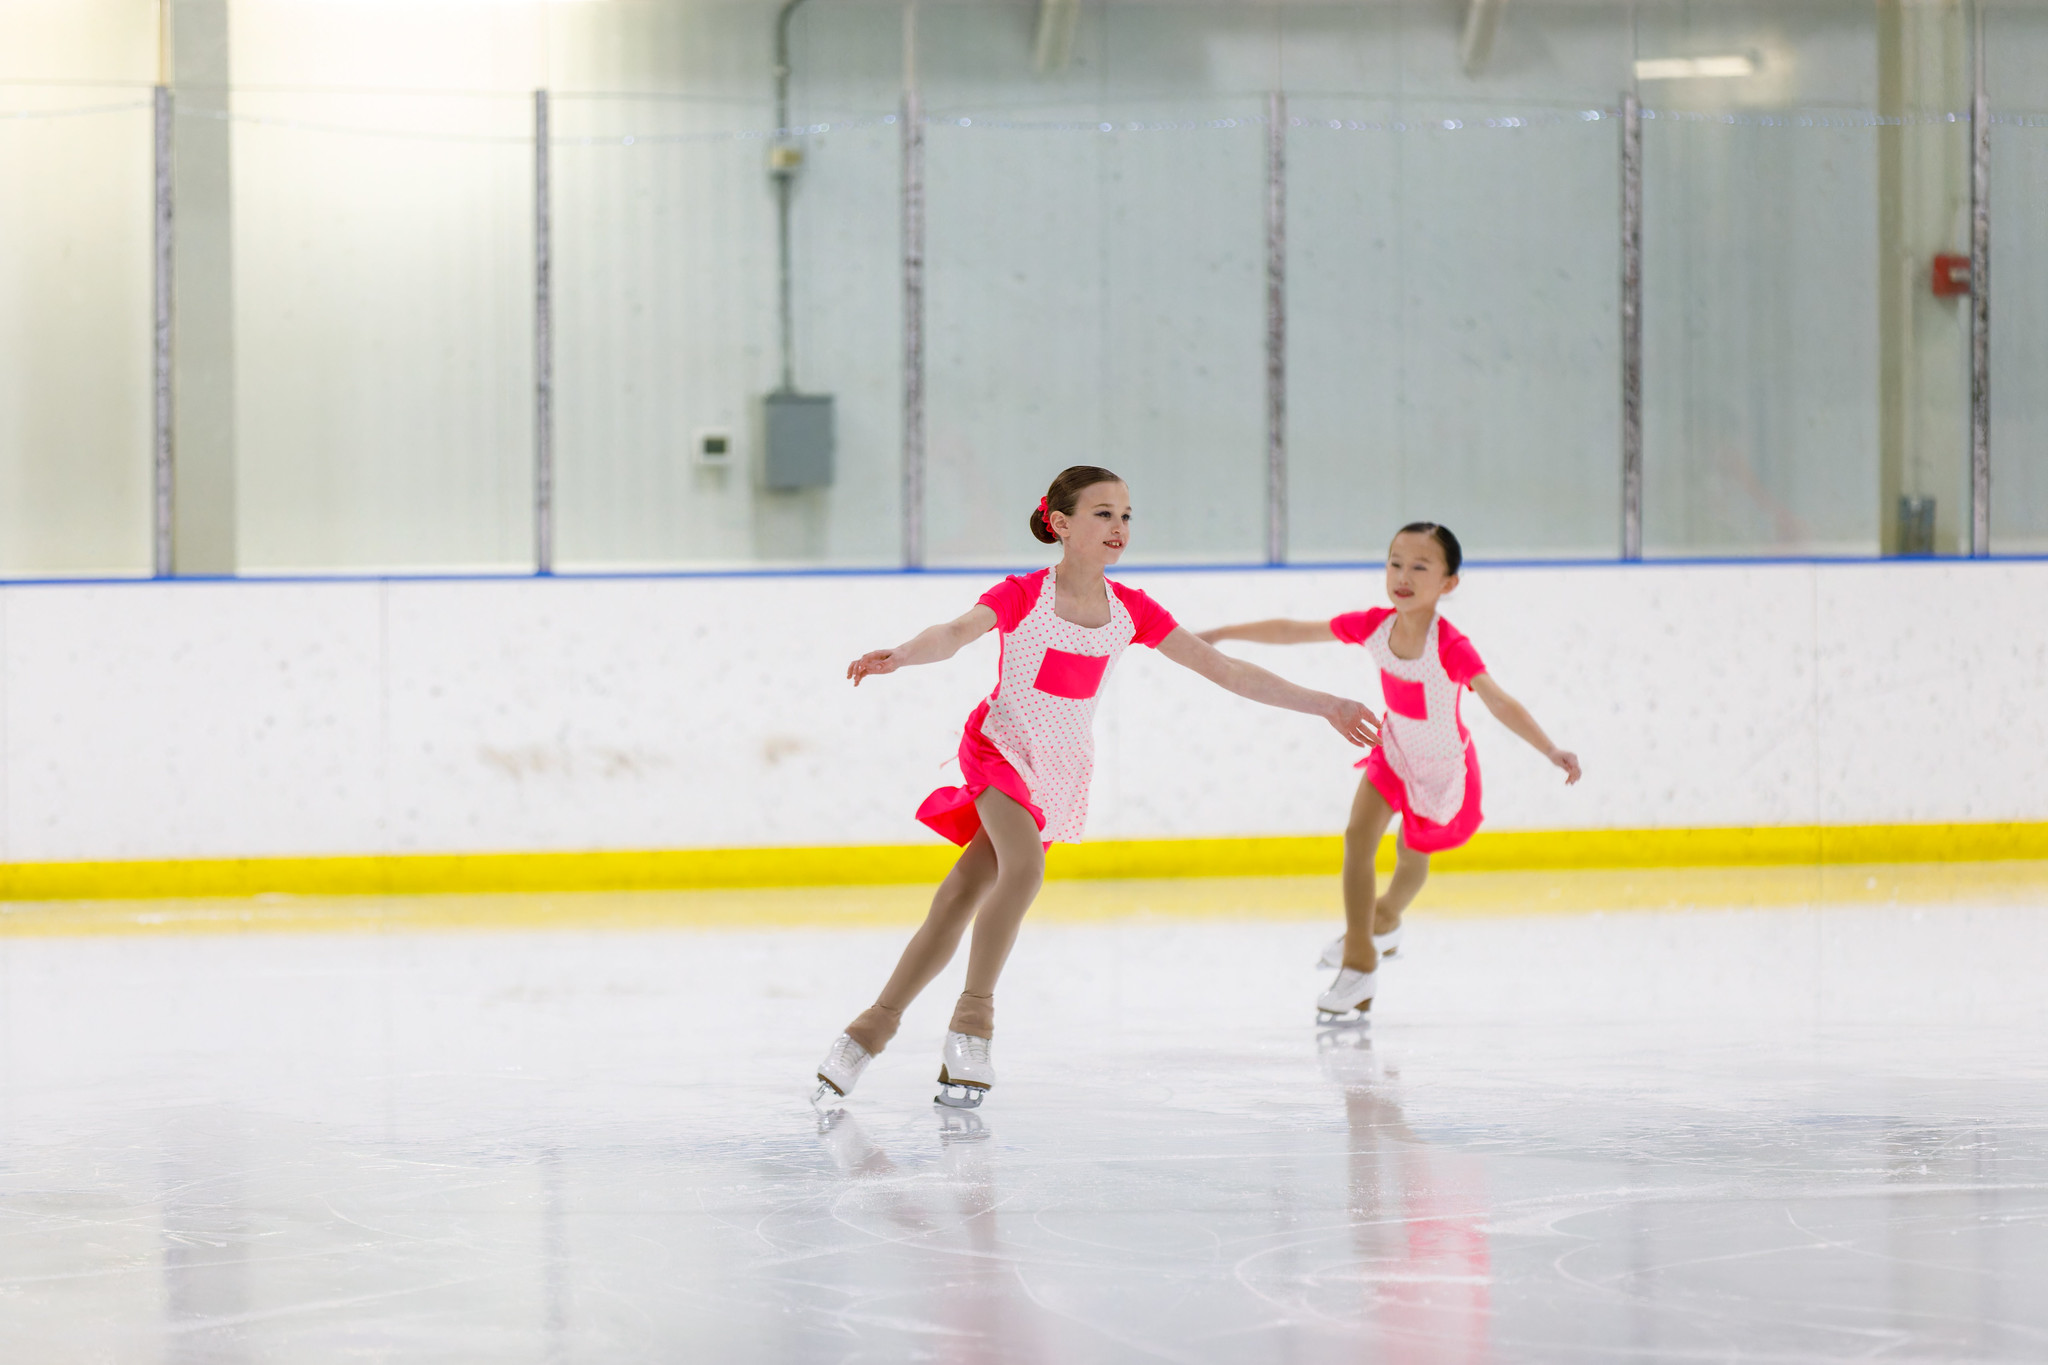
[1012, 599]
[1153, 621]
[1356, 627]
[1459, 658]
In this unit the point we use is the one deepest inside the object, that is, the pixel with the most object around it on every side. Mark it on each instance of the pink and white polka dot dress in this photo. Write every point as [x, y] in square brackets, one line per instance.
[1034, 738]
[1425, 765]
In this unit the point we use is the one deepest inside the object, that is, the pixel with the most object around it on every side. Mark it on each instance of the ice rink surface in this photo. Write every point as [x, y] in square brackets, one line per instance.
[1809, 1132]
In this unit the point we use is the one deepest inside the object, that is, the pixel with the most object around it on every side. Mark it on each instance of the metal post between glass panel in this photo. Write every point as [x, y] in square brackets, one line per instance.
[160, 340]
[1980, 295]
[1276, 328]
[543, 350]
[1631, 327]
[912, 116]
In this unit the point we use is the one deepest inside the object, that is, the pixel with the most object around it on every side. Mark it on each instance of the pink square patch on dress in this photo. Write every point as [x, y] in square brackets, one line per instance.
[1404, 698]
[1077, 676]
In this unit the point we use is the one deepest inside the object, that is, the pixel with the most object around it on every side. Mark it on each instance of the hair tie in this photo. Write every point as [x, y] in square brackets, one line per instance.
[1045, 514]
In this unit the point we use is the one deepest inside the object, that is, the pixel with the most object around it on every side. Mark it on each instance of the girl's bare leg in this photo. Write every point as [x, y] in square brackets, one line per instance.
[1370, 816]
[1411, 870]
[933, 945]
[1020, 871]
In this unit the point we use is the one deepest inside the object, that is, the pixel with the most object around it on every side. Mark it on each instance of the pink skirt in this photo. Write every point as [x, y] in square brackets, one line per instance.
[1418, 832]
[950, 811]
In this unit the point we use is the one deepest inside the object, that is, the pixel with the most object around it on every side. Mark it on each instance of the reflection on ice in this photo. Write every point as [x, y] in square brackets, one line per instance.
[1792, 1135]
[944, 1213]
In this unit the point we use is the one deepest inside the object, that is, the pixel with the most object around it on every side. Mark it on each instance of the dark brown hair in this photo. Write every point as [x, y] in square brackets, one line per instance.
[1065, 495]
[1454, 555]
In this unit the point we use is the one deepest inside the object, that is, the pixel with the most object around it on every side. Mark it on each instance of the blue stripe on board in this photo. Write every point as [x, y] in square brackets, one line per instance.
[978, 570]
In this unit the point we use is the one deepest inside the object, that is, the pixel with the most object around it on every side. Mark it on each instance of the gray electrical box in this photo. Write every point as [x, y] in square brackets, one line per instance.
[799, 441]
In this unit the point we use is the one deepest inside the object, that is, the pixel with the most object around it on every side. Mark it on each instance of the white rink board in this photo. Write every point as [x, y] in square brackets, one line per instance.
[188, 720]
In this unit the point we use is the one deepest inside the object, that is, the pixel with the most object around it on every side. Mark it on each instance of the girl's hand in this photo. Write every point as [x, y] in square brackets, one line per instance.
[1354, 721]
[872, 663]
[1567, 760]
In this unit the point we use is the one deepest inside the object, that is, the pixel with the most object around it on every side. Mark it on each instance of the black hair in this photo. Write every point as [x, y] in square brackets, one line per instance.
[1454, 555]
[1065, 495]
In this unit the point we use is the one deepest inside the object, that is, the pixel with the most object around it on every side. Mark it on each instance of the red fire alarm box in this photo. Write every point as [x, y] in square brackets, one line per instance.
[1951, 275]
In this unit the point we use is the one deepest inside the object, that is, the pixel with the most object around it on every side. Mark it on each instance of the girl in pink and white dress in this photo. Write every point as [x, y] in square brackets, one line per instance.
[1424, 769]
[1026, 758]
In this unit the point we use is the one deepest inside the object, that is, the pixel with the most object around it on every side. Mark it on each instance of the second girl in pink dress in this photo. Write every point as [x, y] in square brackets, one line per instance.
[1026, 759]
[1424, 771]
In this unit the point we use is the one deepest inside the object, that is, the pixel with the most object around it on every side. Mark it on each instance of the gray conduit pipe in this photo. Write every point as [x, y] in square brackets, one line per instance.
[783, 161]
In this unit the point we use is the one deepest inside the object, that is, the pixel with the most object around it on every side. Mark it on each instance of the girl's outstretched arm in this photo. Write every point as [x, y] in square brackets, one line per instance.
[1349, 718]
[1275, 632]
[1516, 717]
[928, 646]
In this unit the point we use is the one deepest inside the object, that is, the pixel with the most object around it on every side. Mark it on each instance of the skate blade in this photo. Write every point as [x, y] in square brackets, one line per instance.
[958, 1094]
[1343, 1018]
[825, 1088]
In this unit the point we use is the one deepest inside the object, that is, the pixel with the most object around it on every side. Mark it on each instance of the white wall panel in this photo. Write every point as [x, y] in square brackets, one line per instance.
[667, 713]
[193, 720]
[211, 720]
[1931, 679]
[1639, 670]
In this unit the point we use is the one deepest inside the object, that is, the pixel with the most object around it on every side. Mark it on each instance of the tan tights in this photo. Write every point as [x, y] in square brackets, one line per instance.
[1365, 911]
[992, 885]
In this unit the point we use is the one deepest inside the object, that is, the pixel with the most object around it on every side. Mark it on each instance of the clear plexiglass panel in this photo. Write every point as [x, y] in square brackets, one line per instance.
[1096, 182]
[1453, 297]
[383, 249]
[76, 415]
[1453, 279]
[667, 308]
[2017, 50]
[1096, 259]
[667, 284]
[1760, 279]
[1760, 349]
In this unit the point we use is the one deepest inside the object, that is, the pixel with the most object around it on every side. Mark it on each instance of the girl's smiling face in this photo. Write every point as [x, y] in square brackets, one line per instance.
[1099, 527]
[1416, 572]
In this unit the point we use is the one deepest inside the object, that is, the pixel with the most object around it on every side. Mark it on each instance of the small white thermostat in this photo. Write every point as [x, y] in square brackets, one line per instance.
[712, 448]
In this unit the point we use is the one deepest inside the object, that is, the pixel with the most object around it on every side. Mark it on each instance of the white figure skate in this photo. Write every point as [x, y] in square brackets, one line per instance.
[840, 1072]
[1333, 951]
[1349, 999]
[965, 1072]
